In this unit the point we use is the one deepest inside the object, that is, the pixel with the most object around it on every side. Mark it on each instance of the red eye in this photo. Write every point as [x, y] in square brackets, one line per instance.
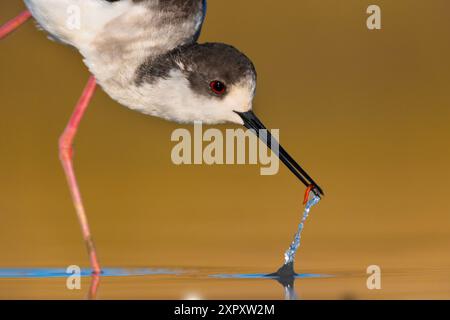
[218, 87]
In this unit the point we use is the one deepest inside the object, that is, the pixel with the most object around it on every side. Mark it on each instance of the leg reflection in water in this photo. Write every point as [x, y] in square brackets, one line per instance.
[95, 283]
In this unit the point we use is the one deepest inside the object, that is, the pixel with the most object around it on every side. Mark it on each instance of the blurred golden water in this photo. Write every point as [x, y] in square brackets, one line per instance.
[366, 112]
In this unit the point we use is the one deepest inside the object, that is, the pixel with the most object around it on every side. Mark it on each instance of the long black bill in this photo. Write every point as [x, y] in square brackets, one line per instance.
[252, 122]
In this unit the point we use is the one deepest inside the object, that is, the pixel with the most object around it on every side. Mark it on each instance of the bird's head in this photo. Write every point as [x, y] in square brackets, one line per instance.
[200, 82]
[209, 83]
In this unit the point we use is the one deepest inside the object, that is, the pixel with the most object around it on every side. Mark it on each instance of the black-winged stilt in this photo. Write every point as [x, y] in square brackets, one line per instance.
[145, 55]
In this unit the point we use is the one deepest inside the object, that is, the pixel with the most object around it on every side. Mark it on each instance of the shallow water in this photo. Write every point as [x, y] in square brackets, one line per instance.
[265, 276]
[26, 273]
[216, 283]
[147, 274]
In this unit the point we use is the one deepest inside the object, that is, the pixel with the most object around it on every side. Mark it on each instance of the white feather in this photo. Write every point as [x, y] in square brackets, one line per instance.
[116, 38]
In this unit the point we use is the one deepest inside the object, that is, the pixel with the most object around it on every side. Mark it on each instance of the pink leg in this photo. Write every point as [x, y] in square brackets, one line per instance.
[13, 24]
[65, 145]
[65, 154]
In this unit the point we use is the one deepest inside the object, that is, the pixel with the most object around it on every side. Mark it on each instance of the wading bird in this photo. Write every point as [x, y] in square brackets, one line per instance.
[145, 55]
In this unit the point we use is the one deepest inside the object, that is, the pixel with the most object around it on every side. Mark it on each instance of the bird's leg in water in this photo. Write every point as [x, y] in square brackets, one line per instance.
[13, 24]
[65, 145]
[65, 154]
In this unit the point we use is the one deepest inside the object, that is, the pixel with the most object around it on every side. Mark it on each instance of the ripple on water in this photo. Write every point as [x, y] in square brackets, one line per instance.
[61, 273]
[265, 276]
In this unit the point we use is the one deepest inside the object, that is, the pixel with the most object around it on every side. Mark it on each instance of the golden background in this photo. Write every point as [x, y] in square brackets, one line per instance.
[365, 112]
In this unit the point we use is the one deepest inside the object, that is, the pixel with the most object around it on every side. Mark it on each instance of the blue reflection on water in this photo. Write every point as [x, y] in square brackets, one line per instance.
[61, 273]
[264, 276]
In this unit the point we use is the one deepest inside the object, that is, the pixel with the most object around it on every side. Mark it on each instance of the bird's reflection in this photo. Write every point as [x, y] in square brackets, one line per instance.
[93, 289]
[289, 290]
